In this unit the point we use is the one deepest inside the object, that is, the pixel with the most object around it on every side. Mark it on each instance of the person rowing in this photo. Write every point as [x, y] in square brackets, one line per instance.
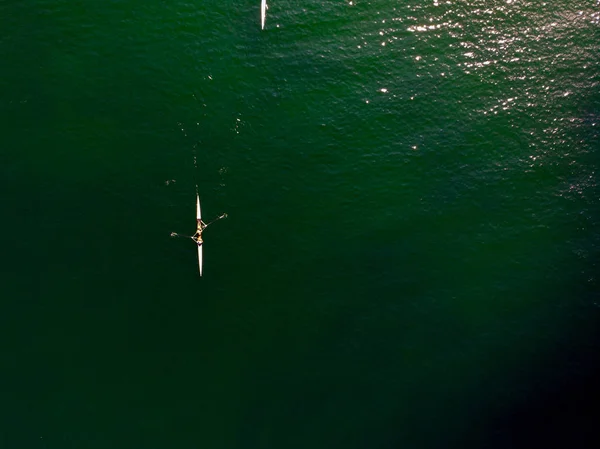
[200, 226]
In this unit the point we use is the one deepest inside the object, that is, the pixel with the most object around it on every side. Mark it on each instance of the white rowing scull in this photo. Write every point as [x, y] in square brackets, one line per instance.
[197, 237]
[200, 226]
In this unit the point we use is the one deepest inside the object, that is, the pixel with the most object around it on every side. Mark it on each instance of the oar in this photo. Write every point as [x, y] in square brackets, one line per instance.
[218, 218]
[174, 234]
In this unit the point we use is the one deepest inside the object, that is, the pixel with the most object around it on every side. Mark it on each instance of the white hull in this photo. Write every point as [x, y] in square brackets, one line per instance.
[263, 13]
[200, 259]
[198, 211]
[199, 217]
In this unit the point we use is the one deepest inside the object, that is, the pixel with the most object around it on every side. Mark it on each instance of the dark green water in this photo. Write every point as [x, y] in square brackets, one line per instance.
[411, 254]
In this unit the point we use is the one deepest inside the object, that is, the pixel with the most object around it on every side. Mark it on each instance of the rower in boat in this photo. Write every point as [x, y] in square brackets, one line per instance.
[200, 226]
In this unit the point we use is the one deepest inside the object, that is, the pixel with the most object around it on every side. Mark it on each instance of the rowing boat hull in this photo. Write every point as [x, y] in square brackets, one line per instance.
[198, 218]
[263, 13]
[200, 259]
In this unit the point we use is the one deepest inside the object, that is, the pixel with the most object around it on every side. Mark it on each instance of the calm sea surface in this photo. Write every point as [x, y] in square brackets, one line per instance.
[411, 254]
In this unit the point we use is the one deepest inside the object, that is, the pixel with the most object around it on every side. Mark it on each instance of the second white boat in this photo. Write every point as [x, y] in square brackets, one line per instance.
[263, 13]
